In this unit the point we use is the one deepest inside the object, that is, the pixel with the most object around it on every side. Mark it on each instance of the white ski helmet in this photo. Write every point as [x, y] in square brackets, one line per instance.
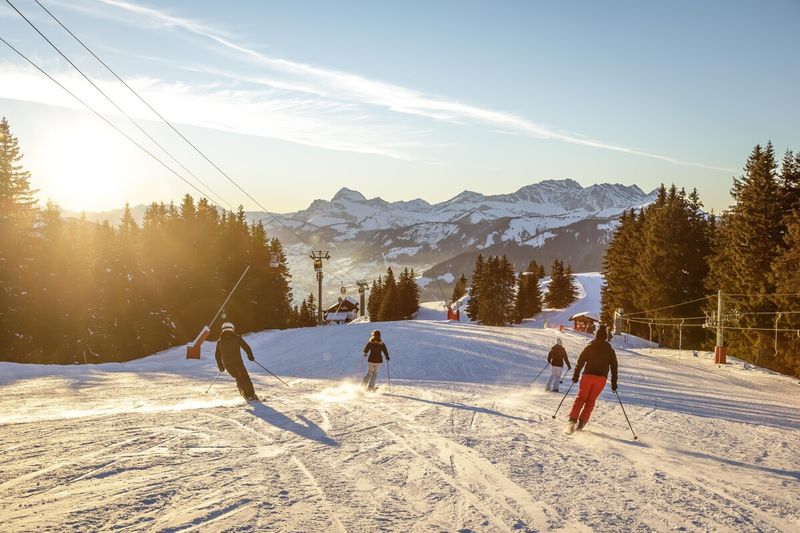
[227, 326]
[558, 341]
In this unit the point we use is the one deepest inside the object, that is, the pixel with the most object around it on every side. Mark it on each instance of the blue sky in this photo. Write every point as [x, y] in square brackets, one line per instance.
[404, 100]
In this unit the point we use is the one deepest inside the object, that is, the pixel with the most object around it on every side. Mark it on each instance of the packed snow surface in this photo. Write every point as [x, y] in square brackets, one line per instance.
[460, 441]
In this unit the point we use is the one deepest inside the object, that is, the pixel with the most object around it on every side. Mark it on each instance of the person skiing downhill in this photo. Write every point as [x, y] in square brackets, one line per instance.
[229, 357]
[376, 349]
[557, 357]
[597, 358]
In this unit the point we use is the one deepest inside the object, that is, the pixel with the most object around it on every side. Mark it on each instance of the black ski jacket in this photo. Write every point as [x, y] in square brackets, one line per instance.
[375, 348]
[598, 358]
[558, 356]
[228, 354]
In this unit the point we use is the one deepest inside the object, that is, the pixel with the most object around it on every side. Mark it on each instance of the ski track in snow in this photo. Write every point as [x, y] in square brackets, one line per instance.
[459, 442]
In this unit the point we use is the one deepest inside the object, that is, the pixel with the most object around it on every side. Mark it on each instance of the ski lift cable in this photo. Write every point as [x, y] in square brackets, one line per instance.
[670, 306]
[168, 123]
[116, 106]
[104, 119]
[444, 298]
[782, 294]
[271, 215]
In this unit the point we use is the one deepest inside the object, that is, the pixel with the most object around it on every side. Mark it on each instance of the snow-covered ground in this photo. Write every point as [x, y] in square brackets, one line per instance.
[459, 442]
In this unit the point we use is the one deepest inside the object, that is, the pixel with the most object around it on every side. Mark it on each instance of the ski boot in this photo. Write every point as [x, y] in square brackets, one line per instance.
[570, 426]
[581, 425]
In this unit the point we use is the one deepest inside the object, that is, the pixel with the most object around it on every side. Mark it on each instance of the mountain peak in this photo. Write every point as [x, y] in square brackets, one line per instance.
[348, 194]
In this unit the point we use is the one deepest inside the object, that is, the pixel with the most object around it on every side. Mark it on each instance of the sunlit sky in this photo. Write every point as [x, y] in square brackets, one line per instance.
[413, 99]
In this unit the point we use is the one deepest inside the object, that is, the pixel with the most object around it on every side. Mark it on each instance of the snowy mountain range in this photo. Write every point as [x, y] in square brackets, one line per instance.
[542, 221]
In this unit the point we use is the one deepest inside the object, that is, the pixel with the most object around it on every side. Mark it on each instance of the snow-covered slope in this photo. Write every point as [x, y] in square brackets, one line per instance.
[458, 442]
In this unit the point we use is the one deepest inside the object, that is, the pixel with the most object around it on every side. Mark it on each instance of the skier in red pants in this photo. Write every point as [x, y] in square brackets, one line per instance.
[598, 358]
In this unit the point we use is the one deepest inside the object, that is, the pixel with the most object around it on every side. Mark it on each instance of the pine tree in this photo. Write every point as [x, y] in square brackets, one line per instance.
[390, 299]
[555, 289]
[529, 295]
[570, 289]
[473, 309]
[459, 288]
[497, 289]
[375, 298]
[18, 215]
[749, 240]
[303, 316]
[787, 278]
[17, 199]
[408, 292]
[790, 182]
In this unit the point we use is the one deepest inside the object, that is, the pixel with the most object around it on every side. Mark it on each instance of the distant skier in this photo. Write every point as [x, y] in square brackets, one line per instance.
[598, 358]
[557, 357]
[376, 349]
[229, 357]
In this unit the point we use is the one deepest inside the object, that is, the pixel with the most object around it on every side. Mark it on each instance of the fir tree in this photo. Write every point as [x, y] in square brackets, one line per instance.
[497, 306]
[473, 309]
[374, 301]
[787, 282]
[390, 299]
[408, 292]
[18, 236]
[749, 240]
[459, 288]
[529, 295]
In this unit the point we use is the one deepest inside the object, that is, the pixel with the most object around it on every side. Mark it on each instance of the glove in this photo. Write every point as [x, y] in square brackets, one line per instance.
[221, 368]
[574, 379]
[614, 388]
[252, 358]
[387, 357]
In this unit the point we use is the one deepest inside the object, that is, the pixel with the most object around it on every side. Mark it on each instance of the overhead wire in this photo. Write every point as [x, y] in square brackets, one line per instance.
[269, 214]
[669, 306]
[114, 104]
[101, 117]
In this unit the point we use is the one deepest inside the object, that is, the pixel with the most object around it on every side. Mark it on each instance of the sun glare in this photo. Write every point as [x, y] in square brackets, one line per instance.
[88, 168]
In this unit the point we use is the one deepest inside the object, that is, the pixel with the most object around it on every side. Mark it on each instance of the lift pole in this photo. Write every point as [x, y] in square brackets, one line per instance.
[362, 291]
[317, 257]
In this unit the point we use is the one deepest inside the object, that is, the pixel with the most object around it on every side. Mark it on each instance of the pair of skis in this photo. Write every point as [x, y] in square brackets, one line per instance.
[571, 426]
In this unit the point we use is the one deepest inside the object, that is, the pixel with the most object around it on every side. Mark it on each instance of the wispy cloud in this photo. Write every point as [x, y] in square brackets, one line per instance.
[277, 114]
[340, 85]
[308, 104]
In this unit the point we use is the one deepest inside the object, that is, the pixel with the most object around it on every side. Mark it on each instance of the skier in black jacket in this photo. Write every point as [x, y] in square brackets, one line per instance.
[557, 357]
[375, 347]
[229, 357]
[598, 358]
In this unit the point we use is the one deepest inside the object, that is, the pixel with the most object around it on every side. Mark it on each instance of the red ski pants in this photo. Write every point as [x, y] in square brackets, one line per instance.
[590, 388]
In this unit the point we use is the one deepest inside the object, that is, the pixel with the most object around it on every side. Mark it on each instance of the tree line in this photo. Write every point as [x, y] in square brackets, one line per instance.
[73, 290]
[671, 252]
[499, 296]
[393, 298]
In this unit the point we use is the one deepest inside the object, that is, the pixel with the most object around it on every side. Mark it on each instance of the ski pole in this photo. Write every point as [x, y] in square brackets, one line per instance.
[539, 374]
[562, 399]
[273, 375]
[626, 416]
[215, 380]
[564, 374]
[388, 373]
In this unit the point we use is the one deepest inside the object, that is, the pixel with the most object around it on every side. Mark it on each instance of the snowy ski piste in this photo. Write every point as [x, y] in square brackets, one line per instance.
[459, 441]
